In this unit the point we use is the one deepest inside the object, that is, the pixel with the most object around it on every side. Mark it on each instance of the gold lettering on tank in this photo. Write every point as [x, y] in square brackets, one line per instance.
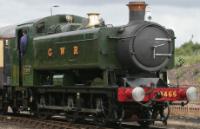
[62, 51]
[50, 52]
[75, 50]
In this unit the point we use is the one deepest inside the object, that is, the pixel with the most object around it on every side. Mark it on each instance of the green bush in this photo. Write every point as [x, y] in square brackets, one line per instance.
[189, 52]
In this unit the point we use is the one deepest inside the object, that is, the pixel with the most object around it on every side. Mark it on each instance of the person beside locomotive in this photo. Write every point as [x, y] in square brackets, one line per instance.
[23, 43]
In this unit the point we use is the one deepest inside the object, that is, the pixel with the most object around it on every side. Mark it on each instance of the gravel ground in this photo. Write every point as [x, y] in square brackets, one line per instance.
[182, 123]
[185, 123]
[172, 124]
[5, 125]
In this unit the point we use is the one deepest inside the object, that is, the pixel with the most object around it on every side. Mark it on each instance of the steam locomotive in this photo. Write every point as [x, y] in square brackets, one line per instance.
[86, 70]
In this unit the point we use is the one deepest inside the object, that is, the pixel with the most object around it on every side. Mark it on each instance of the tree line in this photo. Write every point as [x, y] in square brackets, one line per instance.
[189, 48]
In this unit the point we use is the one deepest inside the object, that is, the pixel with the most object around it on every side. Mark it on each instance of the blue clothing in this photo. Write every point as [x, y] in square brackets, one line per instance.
[23, 43]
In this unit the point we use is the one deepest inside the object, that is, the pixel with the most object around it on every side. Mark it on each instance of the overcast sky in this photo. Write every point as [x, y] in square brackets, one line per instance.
[181, 15]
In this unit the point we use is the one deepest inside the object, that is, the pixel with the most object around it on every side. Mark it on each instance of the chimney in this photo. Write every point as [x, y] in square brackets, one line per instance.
[137, 11]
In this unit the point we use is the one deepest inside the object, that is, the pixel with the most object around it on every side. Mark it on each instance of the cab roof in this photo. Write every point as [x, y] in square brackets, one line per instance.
[7, 32]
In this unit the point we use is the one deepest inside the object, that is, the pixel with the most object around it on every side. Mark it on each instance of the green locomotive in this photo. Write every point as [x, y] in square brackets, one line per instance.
[89, 70]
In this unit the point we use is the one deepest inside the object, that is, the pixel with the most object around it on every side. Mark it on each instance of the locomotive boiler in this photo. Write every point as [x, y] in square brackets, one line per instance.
[87, 70]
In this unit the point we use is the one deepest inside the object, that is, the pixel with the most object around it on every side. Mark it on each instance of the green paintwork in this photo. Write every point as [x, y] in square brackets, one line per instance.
[14, 63]
[96, 51]
[28, 71]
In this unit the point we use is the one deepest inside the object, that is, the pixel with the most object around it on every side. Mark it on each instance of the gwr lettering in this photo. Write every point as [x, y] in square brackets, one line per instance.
[50, 52]
[75, 51]
[62, 51]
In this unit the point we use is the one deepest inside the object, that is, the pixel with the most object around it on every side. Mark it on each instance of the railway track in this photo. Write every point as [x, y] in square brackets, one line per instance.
[45, 124]
[56, 124]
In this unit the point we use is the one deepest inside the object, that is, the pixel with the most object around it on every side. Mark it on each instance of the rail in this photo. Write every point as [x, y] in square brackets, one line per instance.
[56, 124]
[46, 124]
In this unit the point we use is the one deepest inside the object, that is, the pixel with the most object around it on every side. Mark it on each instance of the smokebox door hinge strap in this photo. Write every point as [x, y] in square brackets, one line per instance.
[168, 40]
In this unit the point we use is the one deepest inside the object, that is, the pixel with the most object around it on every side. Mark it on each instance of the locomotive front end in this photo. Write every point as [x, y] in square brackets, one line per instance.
[145, 45]
[146, 52]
